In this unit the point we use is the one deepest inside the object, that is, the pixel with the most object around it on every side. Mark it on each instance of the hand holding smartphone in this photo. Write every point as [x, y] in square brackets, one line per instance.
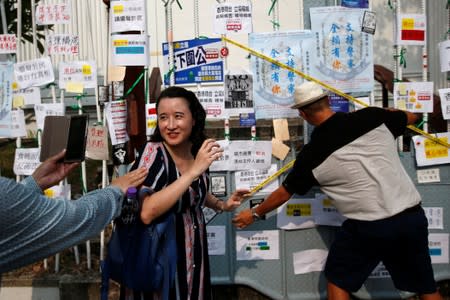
[65, 132]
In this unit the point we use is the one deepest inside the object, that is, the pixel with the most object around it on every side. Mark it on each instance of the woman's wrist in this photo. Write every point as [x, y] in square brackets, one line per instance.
[219, 206]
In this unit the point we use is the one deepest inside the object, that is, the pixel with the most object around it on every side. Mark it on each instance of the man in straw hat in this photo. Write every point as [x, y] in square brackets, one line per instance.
[353, 158]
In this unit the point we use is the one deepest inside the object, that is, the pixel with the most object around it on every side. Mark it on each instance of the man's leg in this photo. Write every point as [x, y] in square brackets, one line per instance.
[336, 293]
[434, 296]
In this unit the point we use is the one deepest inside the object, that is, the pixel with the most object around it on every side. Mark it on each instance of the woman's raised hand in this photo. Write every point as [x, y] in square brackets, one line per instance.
[208, 152]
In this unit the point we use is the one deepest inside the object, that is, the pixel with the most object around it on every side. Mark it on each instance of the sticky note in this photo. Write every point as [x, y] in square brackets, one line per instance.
[18, 101]
[279, 150]
[281, 129]
[74, 87]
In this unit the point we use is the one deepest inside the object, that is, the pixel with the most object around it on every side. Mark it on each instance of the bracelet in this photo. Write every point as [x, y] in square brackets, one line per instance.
[220, 210]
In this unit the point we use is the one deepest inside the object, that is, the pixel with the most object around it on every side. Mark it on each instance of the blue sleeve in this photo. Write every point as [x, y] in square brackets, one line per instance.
[34, 226]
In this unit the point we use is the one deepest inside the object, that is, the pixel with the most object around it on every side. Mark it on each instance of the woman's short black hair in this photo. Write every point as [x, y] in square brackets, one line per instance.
[198, 113]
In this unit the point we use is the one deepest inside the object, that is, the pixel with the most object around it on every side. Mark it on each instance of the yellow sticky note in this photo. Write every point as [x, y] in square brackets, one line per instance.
[116, 73]
[281, 129]
[74, 87]
[408, 23]
[120, 43]
[15, 86]
[86, 69]
[18, 101]
[118, 9]
[279, 150]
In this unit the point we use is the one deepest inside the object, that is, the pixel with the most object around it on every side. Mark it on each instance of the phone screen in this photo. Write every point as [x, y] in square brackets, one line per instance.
[76, 143]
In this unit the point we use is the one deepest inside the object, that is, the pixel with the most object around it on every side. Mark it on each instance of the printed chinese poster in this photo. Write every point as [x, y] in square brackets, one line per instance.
[344, 56]
[297, 213]
[258, 245]
[415, 97]
[274, 87]
[6, 98]
[445, 103]
[411, 29]
[196, 61]
[233, 17]
[429, 152]
[238, 94]
[127, 16]
[212, 99]
[130, 50]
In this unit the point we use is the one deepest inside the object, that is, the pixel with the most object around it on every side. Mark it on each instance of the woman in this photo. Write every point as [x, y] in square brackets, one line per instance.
[178, 157]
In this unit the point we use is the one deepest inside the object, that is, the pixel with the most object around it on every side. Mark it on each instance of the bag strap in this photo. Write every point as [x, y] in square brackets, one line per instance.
[104, 285]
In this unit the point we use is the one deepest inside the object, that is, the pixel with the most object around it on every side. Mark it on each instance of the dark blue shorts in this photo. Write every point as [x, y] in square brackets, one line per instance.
[400, 242]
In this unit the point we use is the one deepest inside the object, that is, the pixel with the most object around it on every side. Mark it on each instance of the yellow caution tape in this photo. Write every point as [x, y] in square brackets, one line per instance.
[326, 86]
[270, 178]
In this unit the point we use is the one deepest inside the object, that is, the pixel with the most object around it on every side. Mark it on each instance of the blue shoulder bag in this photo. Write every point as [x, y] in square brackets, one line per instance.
[142, 257]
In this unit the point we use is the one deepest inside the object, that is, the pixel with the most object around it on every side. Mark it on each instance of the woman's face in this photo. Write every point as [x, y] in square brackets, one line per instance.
[175, 120]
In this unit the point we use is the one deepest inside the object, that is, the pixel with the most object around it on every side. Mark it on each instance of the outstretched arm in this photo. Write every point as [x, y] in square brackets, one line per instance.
[231, 204]
[275, 199]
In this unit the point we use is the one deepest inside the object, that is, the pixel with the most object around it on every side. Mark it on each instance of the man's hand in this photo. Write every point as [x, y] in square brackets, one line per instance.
[243, 219]
[134, 178]
[53, 170]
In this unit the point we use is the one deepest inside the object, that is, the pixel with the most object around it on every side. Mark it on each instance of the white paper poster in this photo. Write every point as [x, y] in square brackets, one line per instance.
[248, 179]
[444, 55]
[18, 128]
[212, 100]
[273, 87]
[223, 163]
[129, 50]
[342, 55]
[151, 118]
[308, 261]
[97, 142]
[415, 97]
[325, 213]
[429, 152]
[244, 155]
[47, 14]
[233, 18]
[35, 72]
[26, 97]
[411, 29]
[444, 94]
[47, 109]
[435, 217]
[297, 213]
[438, 246]
[116, 116]
[8, 43]
[81, 72]
[58, 44]
[127, 16]
[216, 240]
[5, 98]
[257, 245]
[26, 160]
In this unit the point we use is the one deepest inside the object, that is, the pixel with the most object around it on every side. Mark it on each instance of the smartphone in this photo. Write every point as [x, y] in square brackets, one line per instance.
[65, 132]
[76, 141]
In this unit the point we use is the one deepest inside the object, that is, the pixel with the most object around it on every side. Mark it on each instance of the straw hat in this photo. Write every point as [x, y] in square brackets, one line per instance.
[307, 93]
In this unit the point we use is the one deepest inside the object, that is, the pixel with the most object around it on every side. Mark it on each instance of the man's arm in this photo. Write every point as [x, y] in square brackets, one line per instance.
[411, 118]
[273, 201]
[33, 226]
